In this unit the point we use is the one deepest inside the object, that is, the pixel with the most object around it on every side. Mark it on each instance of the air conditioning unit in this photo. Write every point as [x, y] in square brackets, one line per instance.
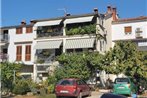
[138, 30]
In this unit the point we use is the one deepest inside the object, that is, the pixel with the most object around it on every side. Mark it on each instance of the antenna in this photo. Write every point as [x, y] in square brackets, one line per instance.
[64, 9]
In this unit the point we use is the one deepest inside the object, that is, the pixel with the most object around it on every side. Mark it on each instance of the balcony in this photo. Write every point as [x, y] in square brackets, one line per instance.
[49, 31]
[45, 57]
[81, 29]
[4, 38]
[3, 57]
[42, 69]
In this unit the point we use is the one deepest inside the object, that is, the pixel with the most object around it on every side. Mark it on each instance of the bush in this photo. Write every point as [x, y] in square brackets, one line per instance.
[51, 88]
[21, 87]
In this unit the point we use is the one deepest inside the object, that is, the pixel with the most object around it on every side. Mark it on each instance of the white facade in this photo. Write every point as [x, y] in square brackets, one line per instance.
[65, 42]
[22, 40]
[138, 32]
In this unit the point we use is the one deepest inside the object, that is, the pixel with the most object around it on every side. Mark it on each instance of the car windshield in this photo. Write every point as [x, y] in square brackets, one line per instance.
[121, 80]
[66, 82]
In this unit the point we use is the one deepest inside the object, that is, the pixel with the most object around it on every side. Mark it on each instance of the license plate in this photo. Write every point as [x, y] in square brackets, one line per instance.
[62, 91]
[121, 87]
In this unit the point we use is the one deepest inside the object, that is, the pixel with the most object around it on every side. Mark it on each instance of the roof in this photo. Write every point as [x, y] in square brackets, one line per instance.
[48, 19]
[136, 19]
[15, 26]
[134, 39]
[67, 17]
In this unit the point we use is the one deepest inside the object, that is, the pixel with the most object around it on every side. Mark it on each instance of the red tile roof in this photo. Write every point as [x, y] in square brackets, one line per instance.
[131, 19]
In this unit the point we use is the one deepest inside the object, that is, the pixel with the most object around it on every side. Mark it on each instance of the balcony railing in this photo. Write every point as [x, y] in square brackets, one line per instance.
[43, 59]
[49, 31]
[49, 34]
[4, 38]
[3, 57]
[42, 69]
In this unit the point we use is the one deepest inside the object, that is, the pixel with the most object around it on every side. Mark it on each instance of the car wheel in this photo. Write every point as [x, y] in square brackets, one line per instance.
[58, 97]
[80, 95]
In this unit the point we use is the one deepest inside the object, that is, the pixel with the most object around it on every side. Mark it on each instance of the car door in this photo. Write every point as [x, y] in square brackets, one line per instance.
[86, 88]
[81, 86]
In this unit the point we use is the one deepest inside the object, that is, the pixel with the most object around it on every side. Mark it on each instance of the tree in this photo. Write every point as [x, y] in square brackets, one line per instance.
[74, 65]
[7, 74]
[125, 58]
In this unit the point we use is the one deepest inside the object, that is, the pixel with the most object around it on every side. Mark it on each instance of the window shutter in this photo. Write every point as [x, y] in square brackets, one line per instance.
[29, 29]
[19, 30]
[28, 53]
[128, 29]
[18, 53]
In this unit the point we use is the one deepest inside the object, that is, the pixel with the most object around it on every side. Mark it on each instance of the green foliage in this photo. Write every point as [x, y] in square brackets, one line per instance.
[7, 74]
[125, 58]
[73, 66]
[21, 87]
[51, 88]
[78, 65]
[88, 29]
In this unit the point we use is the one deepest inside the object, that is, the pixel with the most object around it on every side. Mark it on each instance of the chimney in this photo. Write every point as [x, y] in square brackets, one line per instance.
[23, 22]
[109, 9]
[95, 10]
[67, 14]
[32, 22]
[114, 13]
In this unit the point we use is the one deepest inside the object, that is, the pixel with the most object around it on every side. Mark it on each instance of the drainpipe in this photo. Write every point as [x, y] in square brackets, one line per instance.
[64, 34]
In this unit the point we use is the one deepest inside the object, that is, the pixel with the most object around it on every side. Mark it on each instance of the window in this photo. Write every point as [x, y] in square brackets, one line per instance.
[128, 30]
[28, 53]
[18, 53]
[29, 29]
[19, 30]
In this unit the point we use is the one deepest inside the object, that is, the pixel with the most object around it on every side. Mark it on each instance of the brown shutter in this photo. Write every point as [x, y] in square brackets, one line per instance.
[29, 29]
[128, 29]
[19, 30]
[18, 53]
[28, 53]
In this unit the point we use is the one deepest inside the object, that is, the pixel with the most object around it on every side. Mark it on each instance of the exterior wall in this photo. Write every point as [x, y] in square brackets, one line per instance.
[107, 25]
[23, 40]
[119, 34]
[118, 30]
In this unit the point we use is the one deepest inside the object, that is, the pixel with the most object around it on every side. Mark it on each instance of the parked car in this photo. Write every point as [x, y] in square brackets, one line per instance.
[72, 87]
[124, 86]
[110, 95]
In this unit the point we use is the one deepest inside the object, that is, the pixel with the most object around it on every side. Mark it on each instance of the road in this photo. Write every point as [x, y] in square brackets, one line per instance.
[95, 95]
[98, 95]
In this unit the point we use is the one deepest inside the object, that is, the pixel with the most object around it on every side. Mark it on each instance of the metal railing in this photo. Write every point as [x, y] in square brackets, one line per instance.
[49, 34]
[4, 37]
[3, 57]
[44, 59]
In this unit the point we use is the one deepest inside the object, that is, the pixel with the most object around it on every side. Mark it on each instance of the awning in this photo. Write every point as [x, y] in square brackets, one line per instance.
[48, 44]
[78, 20]
[48, 23]
[79, 43]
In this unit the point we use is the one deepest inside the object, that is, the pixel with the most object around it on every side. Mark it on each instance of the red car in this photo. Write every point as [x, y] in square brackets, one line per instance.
[72, 88]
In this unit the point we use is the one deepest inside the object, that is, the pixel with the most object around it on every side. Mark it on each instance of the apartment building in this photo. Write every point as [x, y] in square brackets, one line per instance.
[131, 29]
[37, 44]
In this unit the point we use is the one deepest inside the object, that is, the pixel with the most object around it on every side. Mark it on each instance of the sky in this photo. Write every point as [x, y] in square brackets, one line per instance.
[14, 11]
